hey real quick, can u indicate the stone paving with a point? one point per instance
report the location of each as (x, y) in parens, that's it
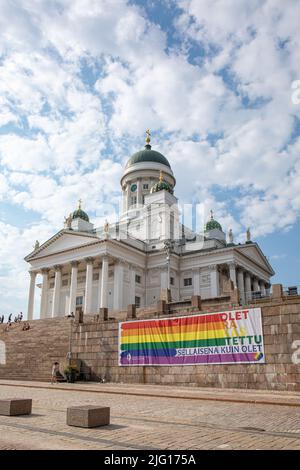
(143, 422)
(196, 393)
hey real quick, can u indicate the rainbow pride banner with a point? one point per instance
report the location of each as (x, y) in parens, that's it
(230, 337)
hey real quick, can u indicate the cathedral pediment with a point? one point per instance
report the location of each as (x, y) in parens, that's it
(253, 252)
(63, 240)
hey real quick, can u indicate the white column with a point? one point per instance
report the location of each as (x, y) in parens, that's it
(196, 281)
(248, 286)
(124, 198)
(241, 286)
(99, 288)
(139, 191)
(56, 291)
(132, 285)
(128, 196)
(31, 295)
(214, 281)
(255, 285)
(262, 288)
(232, 273)
(44, 295)
(104, 283)
(73, 287)
(88, 286)
(118, 285)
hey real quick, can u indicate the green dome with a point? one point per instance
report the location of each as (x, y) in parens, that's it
(80, 214)
(212, 224)
(161, 185)
(147, 155)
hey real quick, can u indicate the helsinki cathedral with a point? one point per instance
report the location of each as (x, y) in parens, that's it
(146, 252)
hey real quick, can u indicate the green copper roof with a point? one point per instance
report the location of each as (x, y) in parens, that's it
(160, 186)
(147, 155)
(80, 214)
(212, 224)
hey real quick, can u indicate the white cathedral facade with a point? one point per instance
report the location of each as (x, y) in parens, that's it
(147, 250)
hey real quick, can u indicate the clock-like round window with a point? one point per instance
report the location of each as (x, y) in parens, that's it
(133, 188)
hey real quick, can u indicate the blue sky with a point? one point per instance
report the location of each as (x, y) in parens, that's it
(214, 80)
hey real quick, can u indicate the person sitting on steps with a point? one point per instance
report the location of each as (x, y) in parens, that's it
(55, 369)
(56, 375)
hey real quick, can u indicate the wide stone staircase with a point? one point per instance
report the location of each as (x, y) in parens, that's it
(29, 355)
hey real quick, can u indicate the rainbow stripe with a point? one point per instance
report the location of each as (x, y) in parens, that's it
(198, 339)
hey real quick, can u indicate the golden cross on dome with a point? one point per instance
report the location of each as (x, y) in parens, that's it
(79, 204)
(211, 214)
(148, 138)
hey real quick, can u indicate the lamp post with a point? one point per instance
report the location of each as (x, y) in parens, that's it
(168, 245)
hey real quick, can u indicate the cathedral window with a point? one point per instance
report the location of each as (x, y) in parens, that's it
(137, 301)
(187, 281)
(133, 200)
(137, 279)
(172, 281)
(79, 301)
(145, 186)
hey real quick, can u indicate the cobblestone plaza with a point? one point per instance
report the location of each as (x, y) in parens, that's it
(186, 420)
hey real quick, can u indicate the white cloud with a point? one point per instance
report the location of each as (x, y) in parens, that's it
(17, 152)
(15, 243)
(80, 81)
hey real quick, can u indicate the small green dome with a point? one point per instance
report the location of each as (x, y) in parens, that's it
(147, 155)
(80, 214)
(161, 185)
(212, 224)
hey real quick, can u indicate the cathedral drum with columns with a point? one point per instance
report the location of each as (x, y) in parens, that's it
(147, 250)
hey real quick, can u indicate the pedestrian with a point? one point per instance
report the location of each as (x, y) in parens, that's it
(9, 318)
(55, 372)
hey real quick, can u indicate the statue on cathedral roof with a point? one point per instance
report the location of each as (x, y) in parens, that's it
(68, 221)
(106, 228)
(230, 236)
(36, 245)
